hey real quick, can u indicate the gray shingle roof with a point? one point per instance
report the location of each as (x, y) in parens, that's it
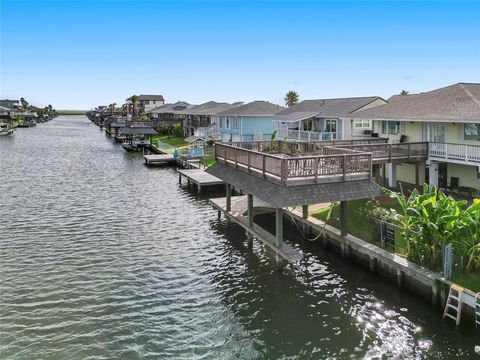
(254, 108)
(324, 108)
(285, 196)
(171, 108)
(208, 108)
(151, 97)
(458, 102)
(137, 131)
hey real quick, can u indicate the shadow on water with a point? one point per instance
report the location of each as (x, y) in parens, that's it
(106, 258)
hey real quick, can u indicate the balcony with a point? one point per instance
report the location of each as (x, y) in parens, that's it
(300, 135)
(455, 153)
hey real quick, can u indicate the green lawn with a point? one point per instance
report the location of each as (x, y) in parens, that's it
(368, 230)
(175, 141)
(357, 224)
(71, 112)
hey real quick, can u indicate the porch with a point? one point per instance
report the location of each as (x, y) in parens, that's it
(455, 153)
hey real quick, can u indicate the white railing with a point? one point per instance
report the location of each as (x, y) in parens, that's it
(300, 135)
(206, 131)
(455, 152)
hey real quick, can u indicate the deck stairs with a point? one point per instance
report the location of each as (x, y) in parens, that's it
(453, 307)
(477, 311)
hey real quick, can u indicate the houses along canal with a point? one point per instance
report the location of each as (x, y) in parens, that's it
(102, 257)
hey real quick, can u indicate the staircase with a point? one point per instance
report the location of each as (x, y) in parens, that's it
(477, 311)
(453, 308)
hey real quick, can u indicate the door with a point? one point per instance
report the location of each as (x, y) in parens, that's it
(439, 131)
(331, 127)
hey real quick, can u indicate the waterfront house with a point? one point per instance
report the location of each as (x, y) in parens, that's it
(200, 120)
(448, 119)
(248, 122)
(326, 119)
(167, 115)
(149, 102)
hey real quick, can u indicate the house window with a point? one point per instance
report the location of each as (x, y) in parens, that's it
(471, 132)
(391, 127)
(235, 123)
(362, 123)
(227, 122)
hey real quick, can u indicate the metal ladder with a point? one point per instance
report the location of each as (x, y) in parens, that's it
(454, 302)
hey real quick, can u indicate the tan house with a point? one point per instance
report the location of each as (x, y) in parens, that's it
(448, 119)
(149, 102)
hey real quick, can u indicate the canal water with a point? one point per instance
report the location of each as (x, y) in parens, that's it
(104, 258)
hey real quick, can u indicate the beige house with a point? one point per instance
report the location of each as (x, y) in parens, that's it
(149, 102)
(448, 119)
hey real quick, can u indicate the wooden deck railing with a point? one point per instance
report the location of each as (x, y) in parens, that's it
(393, 151)
(335, 164)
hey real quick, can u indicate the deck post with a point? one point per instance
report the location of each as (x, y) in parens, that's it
(392, 175)
(305, 217)
(343, 218)
(179, 178)
(229, 197)
(250, 210)
(417, 174)
(278, 231)
(384, 169)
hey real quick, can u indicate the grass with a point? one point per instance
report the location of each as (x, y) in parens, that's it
(175, 141)
(368, 230)
(470, 281)
(357, 224)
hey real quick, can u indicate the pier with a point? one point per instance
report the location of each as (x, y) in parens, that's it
(199, 177)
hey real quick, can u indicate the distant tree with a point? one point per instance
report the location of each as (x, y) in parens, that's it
(291, 98)
(112, 107)
(24, 103)
(134, 100)
(404, 92)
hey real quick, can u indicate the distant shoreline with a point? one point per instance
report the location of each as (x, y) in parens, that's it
(71, 112)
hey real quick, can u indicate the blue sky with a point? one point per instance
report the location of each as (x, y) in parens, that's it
(83, 54)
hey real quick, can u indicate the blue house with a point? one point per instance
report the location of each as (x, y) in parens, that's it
(249, 122)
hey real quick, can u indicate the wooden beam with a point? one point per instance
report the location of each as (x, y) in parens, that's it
(250, 209)
(278, 227)
(343, 218)
(228, 206)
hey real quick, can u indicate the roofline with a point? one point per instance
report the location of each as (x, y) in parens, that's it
(378, 97)
(414, 119)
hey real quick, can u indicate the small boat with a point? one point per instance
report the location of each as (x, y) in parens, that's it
(5, 130)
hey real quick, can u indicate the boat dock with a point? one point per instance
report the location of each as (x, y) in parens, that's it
(159, 159)
(239, 214)
(199, 177)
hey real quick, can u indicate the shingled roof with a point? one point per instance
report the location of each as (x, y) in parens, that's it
(254, 108)
(458, 102)
(341, 107)
(175, 108)
(285, 196)
(208, 108)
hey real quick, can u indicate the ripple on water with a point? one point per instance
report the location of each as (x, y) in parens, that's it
(102, 258)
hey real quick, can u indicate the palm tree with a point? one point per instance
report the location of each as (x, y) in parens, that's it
(404, 92)
(24, 103)
(291, 98)
(134, 100)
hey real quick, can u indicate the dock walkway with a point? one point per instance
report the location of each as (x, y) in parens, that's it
(199, 177)
(158, 159)
(237, 214)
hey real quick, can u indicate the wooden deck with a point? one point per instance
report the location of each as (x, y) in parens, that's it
(159, 159)
(238, 216)
(199, 177)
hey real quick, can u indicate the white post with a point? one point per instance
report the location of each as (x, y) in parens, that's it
(433, 174)
(392, 175)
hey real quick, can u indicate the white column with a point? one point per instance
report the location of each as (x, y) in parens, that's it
(392, 175)
(433, 174)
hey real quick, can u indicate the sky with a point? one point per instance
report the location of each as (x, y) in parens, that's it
(81, 54)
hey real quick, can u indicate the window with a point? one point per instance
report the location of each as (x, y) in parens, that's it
(391, 127)
(235, 123)
(227, 122)
(361, 123)
(471, 132)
